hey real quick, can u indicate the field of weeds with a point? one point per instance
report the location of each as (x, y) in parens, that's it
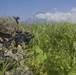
(52, 51)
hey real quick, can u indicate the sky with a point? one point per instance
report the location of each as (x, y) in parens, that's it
(49, 9)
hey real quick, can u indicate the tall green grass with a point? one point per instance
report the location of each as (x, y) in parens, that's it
(52, 51)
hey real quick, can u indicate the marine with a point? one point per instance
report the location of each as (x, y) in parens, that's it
(11, 57)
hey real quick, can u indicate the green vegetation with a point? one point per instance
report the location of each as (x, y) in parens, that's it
(53, 49)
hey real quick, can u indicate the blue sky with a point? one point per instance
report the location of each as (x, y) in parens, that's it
(26, 8)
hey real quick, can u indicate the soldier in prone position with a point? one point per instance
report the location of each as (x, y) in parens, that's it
(7, 27)
(14, 56)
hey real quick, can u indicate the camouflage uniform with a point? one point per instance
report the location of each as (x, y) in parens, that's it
(17, 61)
(1, 56)
(12, 56)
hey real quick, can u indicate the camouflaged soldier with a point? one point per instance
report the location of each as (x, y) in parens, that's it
(14, 55)
(7, 27)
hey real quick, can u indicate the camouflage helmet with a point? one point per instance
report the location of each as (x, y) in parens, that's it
(8, 24)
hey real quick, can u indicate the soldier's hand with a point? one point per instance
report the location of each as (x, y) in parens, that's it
(1, 40)
(6, 39)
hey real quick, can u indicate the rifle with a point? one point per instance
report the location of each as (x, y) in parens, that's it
(19, 38)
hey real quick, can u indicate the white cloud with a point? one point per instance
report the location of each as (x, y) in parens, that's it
(58, 16)
(73, 9)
